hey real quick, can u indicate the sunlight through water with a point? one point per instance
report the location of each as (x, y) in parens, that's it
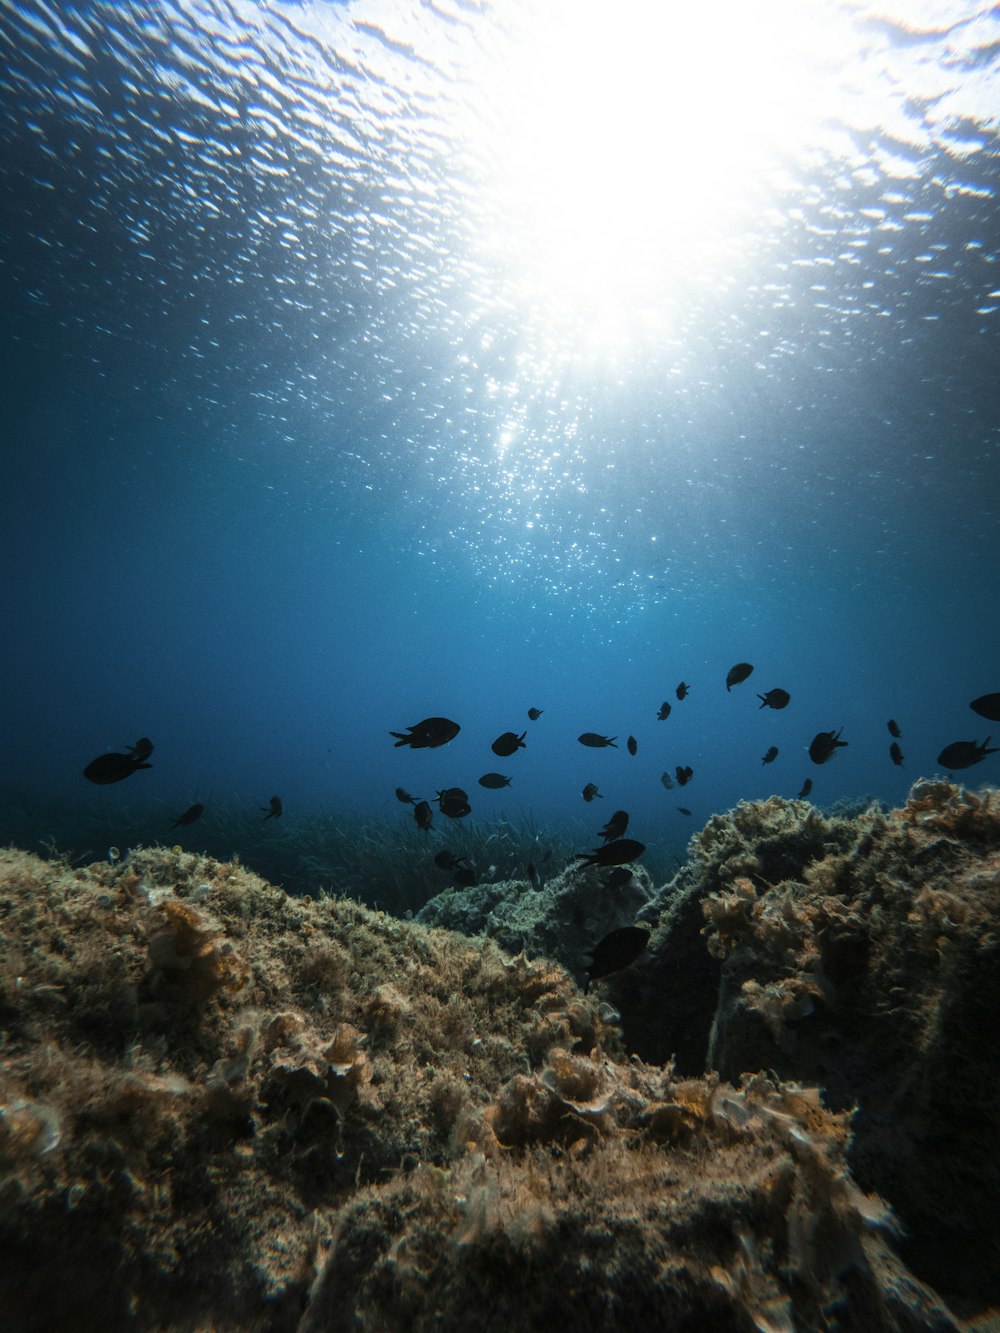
(442, 252)
(637, 161)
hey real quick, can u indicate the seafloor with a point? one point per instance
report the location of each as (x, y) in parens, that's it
(225, 1108)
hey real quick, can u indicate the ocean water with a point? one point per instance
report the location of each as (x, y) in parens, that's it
(374, 361)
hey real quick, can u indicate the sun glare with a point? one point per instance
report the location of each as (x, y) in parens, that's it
(635, 150)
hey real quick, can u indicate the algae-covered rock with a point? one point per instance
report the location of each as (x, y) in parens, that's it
(562, 920)
(860, 955)
(198, 1070)
(222, 1107)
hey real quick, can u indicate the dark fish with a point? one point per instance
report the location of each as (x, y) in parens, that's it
(963, 754)
(402, 795)
(494, 781)
(774, 699)
(190, 815)
(683, 809)
(664, 712)
(455, 809)
(618, 878)
(141, 750)
(987, 705)
(508, 744)
(592, 739)
(590, 791)
(683, 775)
(452, 794)
(535, 713)
(534, 878)
(894, 730)
(465, 877)
(454, 803)
(771, 755)
(823, 744)
(445, 860)
(426, 735)
(666, 779)
(423, 814)
(681, 690)
(114, 767)
(615, 826)
(615, 951)
(807, 787)
(274, 809)
(632, 745)
(738, 674)
(617, 853)
(896, 754)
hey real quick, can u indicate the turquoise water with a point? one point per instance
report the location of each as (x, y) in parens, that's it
(365, 363)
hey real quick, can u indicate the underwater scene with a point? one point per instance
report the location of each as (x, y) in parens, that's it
(499, 816)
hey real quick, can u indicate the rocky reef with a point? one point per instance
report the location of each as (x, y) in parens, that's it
(224, 1107)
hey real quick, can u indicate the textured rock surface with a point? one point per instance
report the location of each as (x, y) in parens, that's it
(224, 1107)
(563, 920)
(860, 955)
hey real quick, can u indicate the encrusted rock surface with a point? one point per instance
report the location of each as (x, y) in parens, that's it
(224, 1107)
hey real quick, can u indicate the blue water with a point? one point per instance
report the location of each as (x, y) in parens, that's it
(293, 458)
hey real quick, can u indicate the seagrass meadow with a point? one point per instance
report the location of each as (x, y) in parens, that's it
(227, 1106)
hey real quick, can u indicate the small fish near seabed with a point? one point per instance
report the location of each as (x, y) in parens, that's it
(682, 690)
(666, 779)
(190, 815)
(275, 809)
(616, 950)
(807, 787)
(770, 755)
(738, 674)
(617, 853)
(454, 802)
(428, 734)
(963, 754)
(533, 877)
(615, 827)
(595, 741)
(894, 730)
(988, 706)
(684, 810)
(590, 791)
(664, 712)
(494, 781)
(424, 815)
(632, 745)
(445, 860)
(402, 795)
(618, 878)
(535, 713)
(115, 767)
(896, 754)
(774, 699)
(509, 743)
(824, 744)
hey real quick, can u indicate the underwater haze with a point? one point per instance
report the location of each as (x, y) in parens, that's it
(372, 362)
